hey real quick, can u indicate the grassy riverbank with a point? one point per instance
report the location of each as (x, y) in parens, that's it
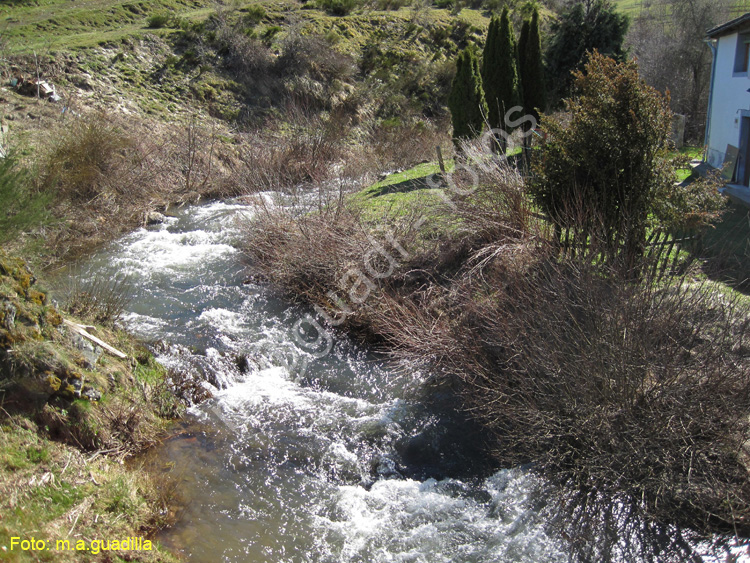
(71, 414)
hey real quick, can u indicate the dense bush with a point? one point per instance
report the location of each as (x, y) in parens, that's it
(337, 7)
(158, 20)
(311, 55)
(627, 396)
(604, 172)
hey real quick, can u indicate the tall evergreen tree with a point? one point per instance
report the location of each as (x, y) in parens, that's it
(532, 66)
(500, 77)
(586, 26)
(466, 100)
(523, 40)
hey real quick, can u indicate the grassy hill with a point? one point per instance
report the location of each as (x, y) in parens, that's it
(636, 7)
(53, 25)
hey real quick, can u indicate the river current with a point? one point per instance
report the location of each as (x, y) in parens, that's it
(339, 457)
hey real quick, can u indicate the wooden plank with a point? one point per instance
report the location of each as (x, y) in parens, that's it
(82, 331)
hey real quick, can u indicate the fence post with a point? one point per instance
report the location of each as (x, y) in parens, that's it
(440, 159)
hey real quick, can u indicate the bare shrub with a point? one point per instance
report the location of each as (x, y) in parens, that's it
(489, 195)
(303, 153)
(99, 300)
(313, 74)
(304, 253)
(319, 250)
(311, 55)
(246, 57)
(85, 159)
(402, 145)
(193, 152)
(631, 399)
(107, 173)
(123, 427)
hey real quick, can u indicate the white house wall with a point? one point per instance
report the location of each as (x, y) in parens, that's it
(730, 97)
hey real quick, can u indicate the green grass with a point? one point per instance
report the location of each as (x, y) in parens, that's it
(418, 171)
(150, 372)
(47, 26)
(692, 153)
(405, 198)
(48, 481)
(634, 7)
(21, 207)
(398, 205)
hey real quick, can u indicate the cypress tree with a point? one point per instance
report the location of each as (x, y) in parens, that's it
(500, 69)
(583, 27)
(466, 100)
(523, 40)
(532, 67)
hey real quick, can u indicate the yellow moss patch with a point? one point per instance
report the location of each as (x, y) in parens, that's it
(52, 317)
(53, 382)
(37, 297)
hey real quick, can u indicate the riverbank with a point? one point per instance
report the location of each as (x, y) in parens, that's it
(72, 415)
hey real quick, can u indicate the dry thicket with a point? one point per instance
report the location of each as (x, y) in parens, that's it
(309, 149)
(632, 398)
(107, 173)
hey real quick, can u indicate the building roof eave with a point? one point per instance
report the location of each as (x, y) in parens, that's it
(728, 27)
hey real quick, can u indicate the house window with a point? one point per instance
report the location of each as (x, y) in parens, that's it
(742, 58)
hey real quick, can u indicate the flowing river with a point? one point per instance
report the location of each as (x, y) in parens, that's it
(341, 458)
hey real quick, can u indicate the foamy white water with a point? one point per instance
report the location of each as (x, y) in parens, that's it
(298, 458)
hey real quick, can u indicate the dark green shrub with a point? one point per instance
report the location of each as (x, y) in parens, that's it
(583, 27)
(466, 100)
(604, 171)
(500, 76)
(532, 67)
(158, 20)
(337, 7)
